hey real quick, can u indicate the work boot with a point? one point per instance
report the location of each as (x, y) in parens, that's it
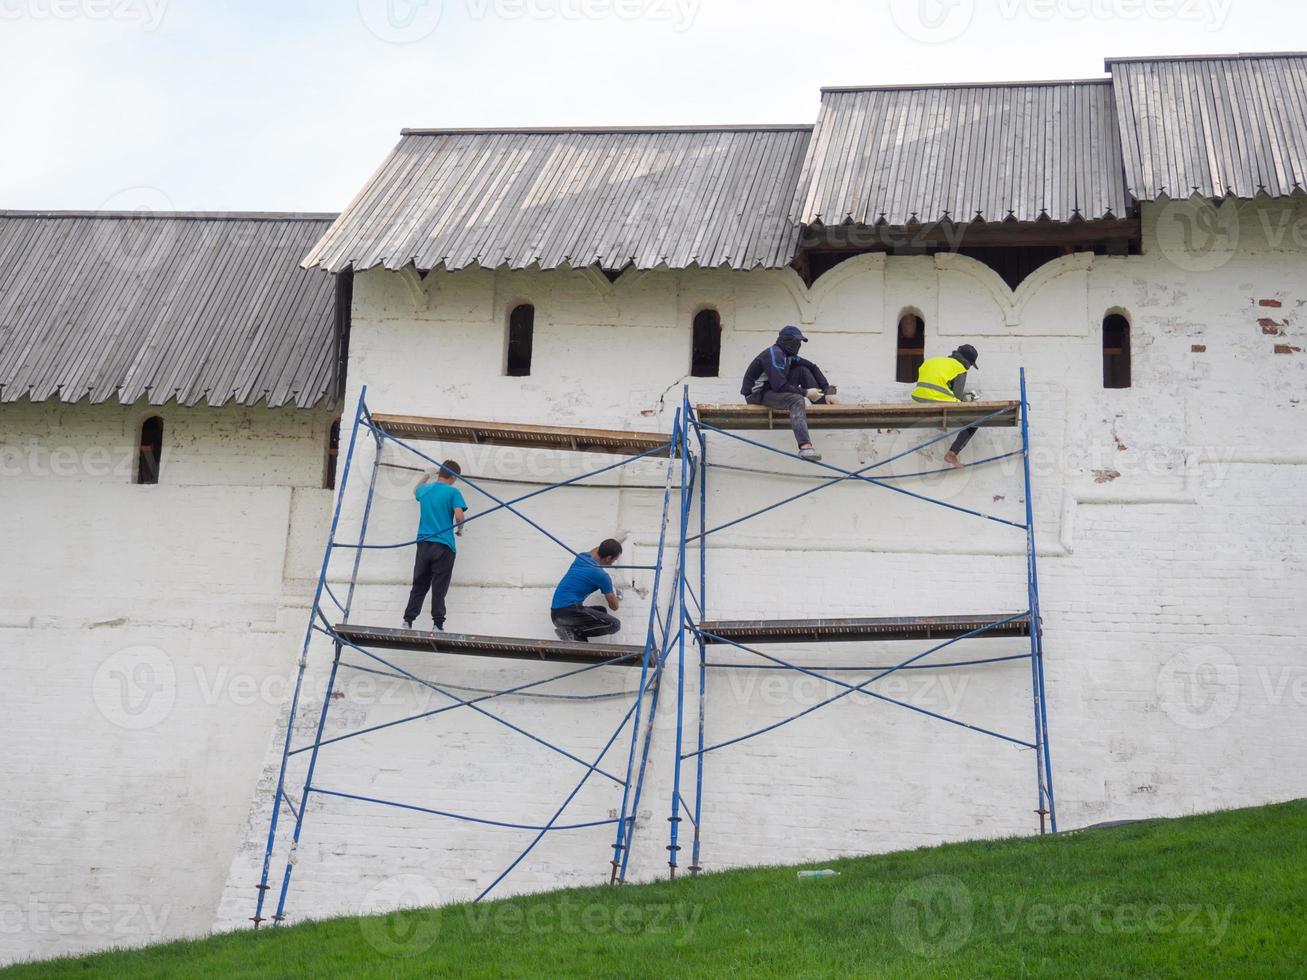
(408, 624)
(564, 633)
(810, 454)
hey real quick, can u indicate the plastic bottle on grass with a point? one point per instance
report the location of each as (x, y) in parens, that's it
(823, 873)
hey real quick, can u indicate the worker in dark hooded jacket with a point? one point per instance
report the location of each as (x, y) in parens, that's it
(780, 378)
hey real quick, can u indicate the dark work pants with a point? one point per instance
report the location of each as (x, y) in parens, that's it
(795, 404)
(586, 621)
(963, 437)
(432, 569)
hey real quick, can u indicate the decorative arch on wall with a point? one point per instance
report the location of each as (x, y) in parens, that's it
(415, 286)
(1012, 303)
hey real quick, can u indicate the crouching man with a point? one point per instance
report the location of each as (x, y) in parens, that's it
(573, 620)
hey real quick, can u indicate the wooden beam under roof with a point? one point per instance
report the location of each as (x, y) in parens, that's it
(619, 442)
(908, 415)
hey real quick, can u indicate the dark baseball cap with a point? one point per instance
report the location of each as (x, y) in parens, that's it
(792, 331)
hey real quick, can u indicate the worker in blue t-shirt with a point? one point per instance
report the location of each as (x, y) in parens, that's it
(573, 620)
(442, 510)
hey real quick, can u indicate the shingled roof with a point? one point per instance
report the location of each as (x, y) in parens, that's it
(708, 197)
(184, 307)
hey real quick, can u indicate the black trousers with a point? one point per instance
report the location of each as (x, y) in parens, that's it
(432, 569)
(963, 437)
(586, 621)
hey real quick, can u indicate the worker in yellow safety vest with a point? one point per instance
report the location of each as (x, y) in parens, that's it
(944, 379)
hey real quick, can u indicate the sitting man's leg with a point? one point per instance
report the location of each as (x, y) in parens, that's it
(802, 376)
(796, 405)
(584, 622)
(964, 437)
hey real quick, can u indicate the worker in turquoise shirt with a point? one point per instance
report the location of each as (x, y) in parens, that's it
(442, 510)
(573, 619)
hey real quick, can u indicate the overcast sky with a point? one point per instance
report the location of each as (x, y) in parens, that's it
(289, 105)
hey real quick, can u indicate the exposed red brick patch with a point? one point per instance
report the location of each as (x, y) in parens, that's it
(1199, 348)
(1272, 303)
(1286, 349)
(1105, 476)
(1271, 327)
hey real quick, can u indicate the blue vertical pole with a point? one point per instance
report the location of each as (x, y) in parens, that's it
(1043, 761)
(622, 842)
(363, 530)
(695, 867)
(303, 662)
(675, 819)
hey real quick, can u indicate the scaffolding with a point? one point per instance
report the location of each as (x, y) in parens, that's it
(670, 622)
(329, 617)
(725, 421)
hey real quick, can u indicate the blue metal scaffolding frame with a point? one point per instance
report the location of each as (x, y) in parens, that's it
(658, 639)
(690, 619)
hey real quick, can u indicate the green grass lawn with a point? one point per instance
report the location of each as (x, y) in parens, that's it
(1221, 894)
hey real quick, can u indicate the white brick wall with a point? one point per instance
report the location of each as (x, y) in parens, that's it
(1157, 582)
(1176, 679)
(143, 630)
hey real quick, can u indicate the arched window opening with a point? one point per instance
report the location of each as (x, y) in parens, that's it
(911, 349)
(1116, 351)
(149, 451)
(706, 353)
(521, 332)
(333, 451)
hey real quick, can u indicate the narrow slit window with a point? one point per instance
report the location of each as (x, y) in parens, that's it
(911, 350)
(1116, 351)
(149, 451)
(706, 353)
(521, 331)
(333, 452)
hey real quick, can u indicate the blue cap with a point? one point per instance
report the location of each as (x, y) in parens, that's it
(791, 331)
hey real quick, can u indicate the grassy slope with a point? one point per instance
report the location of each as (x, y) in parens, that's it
(1220, 894)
